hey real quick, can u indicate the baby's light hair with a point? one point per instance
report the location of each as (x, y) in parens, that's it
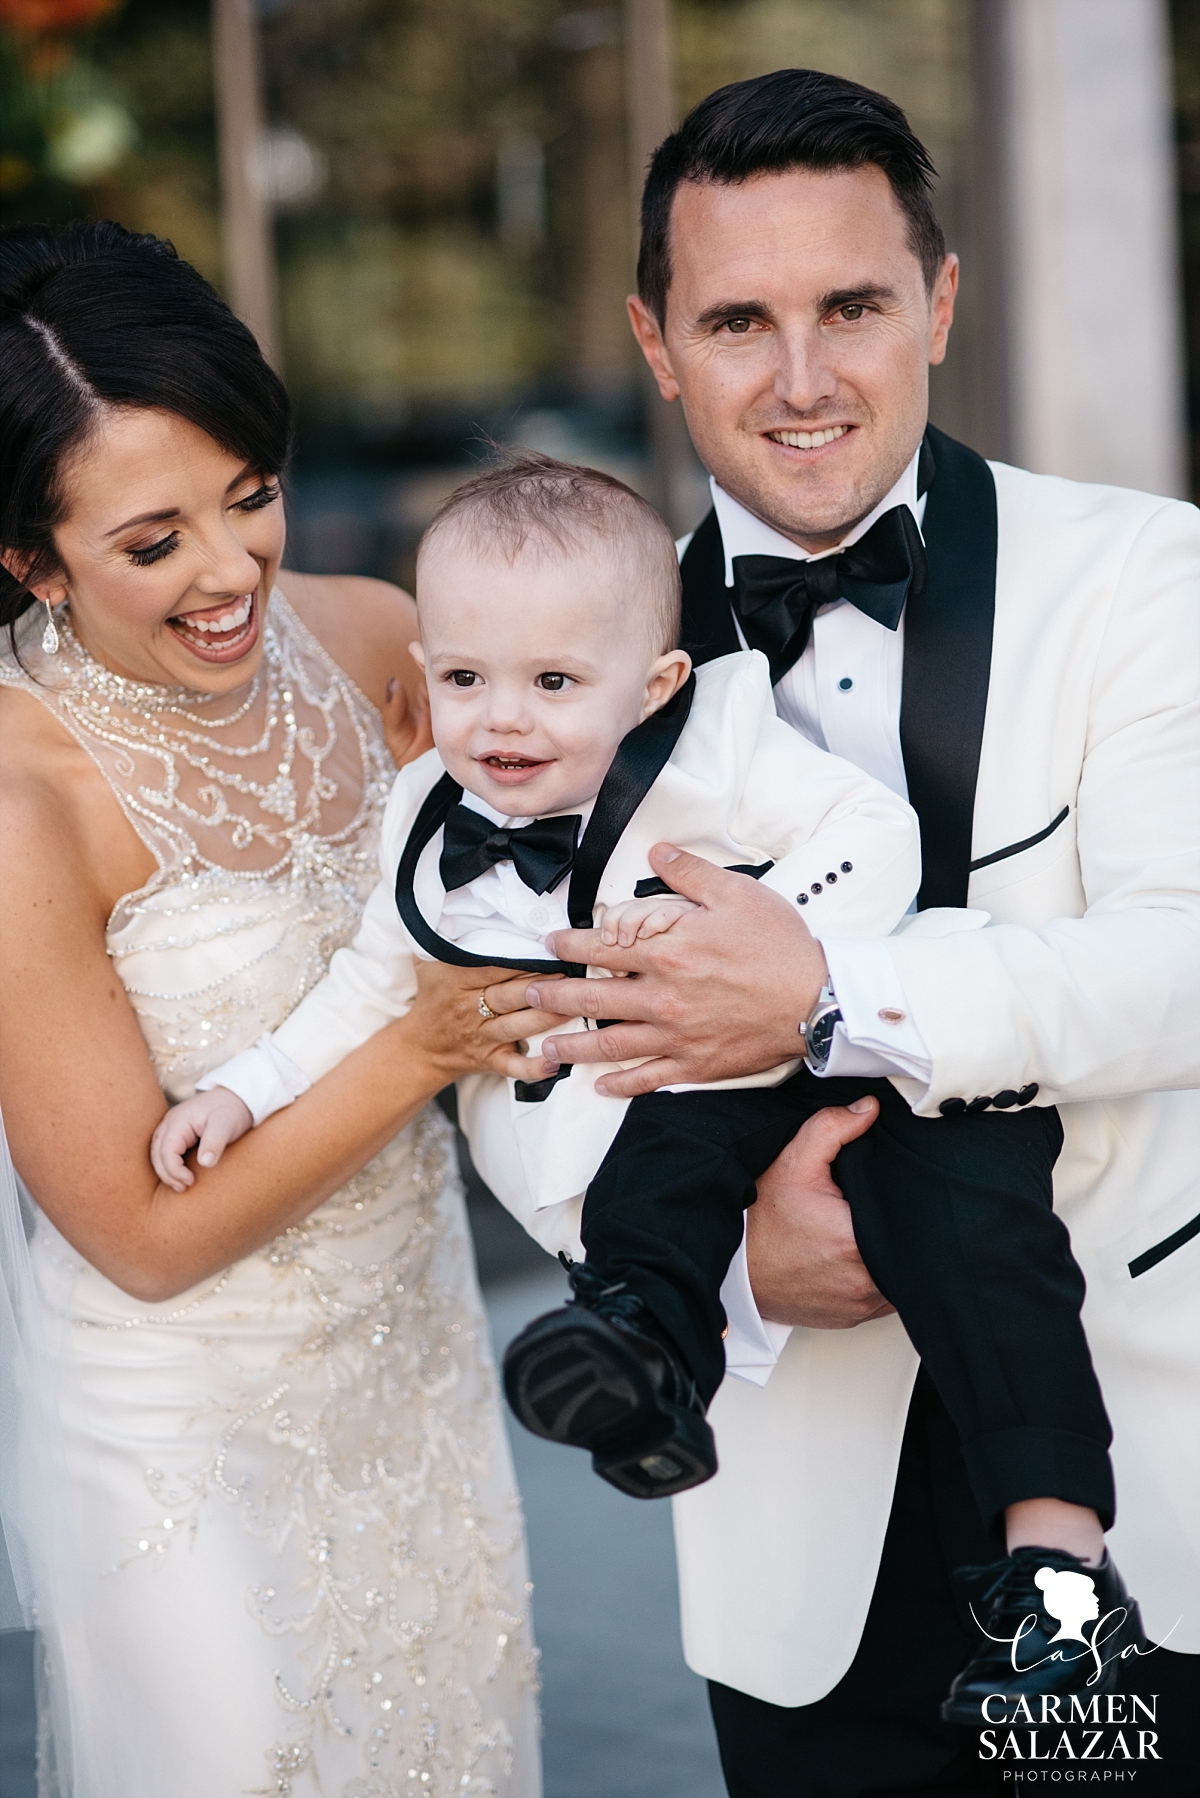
(530, 501)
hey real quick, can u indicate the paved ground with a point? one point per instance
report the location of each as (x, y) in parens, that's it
(16, 1717)
(624, 1718)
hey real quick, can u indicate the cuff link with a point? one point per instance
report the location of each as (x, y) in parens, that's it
(889, 1015)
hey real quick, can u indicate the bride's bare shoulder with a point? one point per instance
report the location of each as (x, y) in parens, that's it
(366, 626)
(57, 812)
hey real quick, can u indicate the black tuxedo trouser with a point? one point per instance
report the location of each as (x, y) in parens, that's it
(879, 1730)
(954, 1221)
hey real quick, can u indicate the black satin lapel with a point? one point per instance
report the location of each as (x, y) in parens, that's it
(429, 820)
(947, 665)
(708, 627)
(639, 761)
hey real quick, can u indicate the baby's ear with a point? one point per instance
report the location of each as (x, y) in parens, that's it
(417, 653)
(667, 674)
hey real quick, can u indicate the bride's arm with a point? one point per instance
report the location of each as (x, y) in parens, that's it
(81, 1101)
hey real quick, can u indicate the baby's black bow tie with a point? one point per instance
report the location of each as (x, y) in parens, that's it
(775, 598)
(542, 852)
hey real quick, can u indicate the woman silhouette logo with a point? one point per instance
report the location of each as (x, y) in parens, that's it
(1071, 1598)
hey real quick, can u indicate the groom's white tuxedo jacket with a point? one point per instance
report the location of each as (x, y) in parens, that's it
(1083, 833)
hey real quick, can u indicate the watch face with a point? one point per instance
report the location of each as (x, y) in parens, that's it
(820, 1035)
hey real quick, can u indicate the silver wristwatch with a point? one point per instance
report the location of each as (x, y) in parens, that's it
(816, 1032)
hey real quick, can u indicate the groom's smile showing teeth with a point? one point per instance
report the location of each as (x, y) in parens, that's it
(809, 439)
(219, 633)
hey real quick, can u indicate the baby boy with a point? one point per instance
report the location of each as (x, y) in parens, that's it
(571, 735)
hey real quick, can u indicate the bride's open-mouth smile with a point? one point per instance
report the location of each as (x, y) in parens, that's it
(220, 633)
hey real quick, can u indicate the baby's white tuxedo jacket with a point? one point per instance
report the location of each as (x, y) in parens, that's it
(740, 788)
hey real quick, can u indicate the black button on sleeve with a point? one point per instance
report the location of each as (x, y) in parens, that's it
(1027, 1093)
(952, 1108)
(1006, 1100)
(978, 1105)
(816, 886)
(801, 898)
(847, 867)
(831, 880)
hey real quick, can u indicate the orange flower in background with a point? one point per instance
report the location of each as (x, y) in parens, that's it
(35, 16)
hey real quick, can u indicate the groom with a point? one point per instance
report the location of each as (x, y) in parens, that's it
(1018, 654)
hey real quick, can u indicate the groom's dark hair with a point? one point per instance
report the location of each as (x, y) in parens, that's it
(792, 119)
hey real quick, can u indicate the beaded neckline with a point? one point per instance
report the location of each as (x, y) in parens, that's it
(261, 808)
(147, 698)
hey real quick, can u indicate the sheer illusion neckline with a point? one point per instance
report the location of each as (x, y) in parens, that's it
(276, 779)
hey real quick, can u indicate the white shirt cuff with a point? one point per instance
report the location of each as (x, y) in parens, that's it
(877, 1036)
(264, 1078)
(752, 1345)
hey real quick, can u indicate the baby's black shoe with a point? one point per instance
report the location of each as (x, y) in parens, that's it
(1055, 1627)
(601, 1374)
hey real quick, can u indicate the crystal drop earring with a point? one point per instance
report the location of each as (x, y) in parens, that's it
(50, 634)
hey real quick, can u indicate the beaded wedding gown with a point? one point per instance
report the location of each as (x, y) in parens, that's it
(296, 1550)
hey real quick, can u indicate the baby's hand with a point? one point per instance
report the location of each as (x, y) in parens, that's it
(623, 924)
(214, 1120)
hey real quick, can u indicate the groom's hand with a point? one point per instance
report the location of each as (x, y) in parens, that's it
(804, 1263)
(720, 994)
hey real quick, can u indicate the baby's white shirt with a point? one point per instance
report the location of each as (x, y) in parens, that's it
(496, 914)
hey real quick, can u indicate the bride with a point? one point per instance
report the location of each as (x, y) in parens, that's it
(262, 1507)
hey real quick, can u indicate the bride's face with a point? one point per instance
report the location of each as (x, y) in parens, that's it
(168, 552)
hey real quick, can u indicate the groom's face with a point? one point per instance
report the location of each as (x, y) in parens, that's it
(799, 331)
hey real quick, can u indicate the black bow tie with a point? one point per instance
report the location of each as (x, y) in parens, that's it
(775, 597)
(541, 852)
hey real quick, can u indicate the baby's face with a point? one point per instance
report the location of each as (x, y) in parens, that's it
(536, 670)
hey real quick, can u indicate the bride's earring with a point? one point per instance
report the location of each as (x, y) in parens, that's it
(50, 634)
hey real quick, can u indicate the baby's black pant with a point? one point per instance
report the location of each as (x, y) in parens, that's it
(954, 1221)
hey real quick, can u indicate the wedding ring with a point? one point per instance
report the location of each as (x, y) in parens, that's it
(485, 1010)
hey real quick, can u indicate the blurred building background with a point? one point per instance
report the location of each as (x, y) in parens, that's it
(444, 192)
(426, 210)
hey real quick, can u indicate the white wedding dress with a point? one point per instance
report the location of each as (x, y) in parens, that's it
(290, 1560)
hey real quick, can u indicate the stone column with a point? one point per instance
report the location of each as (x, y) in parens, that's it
(677, 484)
(1088, 236)
(247, 236)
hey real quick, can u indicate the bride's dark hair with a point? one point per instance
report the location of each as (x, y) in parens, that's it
(92, 316)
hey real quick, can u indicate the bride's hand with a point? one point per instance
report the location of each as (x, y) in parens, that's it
(406, 723)
(458, 1037)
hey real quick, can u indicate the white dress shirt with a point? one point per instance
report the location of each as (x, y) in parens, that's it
(496, 914)
(843, 694)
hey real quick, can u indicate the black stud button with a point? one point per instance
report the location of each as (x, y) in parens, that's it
(1006, 1100)
(801, 898)
(951, 1108)
(1027, 1093)
(978, 1105)
(831, 880)
(845, 684)
(847, 867)
(816, 886)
